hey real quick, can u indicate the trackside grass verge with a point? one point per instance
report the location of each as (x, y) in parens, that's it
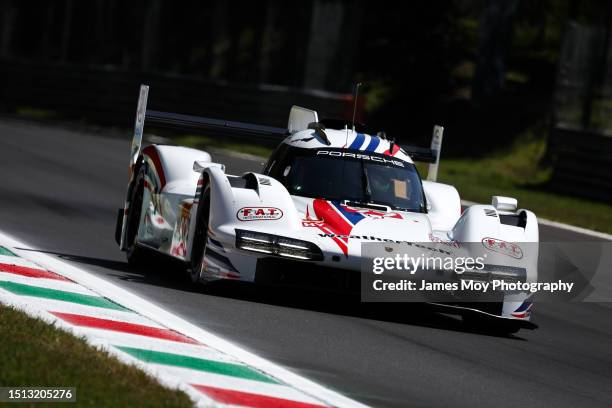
(514, 172)
(479, 187)
(34, 353)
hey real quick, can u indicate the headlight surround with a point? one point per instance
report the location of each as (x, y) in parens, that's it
(276, 245)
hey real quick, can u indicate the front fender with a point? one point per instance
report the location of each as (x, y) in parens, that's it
(502, 244)
(480, 221)
(256, 192)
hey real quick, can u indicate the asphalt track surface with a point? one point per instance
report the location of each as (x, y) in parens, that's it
(59, 191)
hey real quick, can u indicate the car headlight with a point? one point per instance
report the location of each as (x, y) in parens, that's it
(277, 245)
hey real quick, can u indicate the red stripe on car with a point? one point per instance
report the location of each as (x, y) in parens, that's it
(393, 152)
(334, 222)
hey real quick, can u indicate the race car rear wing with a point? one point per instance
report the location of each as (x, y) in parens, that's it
(201, 124)
(299, 119)
(195, 124)
(420, 154)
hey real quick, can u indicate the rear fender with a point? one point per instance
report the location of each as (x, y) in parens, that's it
(169, 185)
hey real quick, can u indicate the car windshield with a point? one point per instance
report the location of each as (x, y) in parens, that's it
(338, 174)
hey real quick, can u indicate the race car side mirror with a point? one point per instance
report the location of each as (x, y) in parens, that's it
(319, 129)
(504, 203)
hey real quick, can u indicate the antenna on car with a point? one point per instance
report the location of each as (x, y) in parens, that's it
(357, 85)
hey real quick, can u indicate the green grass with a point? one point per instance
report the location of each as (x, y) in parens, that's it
(516, 172)
(478, 181)
(34, 353)
(512, 172)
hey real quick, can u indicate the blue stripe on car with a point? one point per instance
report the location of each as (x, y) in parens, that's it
(358, 141)
(374, 142)
(524, 306)
(352, 216)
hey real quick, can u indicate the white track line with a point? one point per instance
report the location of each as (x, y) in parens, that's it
(90, 311)
(17, 261)
(165, 318)
(560, 225)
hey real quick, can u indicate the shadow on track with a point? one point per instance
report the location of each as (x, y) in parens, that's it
(169, 274)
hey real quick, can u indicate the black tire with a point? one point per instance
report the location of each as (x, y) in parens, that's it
(136, 256)
(200, 236)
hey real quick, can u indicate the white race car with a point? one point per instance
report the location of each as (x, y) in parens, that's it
(322, 193)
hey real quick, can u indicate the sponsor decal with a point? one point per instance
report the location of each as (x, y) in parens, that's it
(503, 247)
(360, 156)
(378, 239)
(259, 214)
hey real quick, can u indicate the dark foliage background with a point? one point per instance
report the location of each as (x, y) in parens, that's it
(486, 69)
